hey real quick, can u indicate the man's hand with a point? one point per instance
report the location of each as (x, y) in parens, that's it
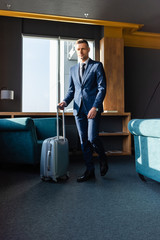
(92, 113)
(62, 105)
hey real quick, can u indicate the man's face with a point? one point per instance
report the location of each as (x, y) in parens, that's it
(82, 51)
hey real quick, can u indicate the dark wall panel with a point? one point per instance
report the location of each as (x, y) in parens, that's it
(11, 61)
(142, 82)
(53, 28)
(69, 30)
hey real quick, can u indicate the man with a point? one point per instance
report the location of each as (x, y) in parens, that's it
(88, 90)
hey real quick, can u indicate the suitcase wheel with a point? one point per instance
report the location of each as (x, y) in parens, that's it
(67, 175)
(45, 178)
(63, 178)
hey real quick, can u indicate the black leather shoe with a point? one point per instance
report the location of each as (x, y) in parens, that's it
(86, 176)
(103, 167)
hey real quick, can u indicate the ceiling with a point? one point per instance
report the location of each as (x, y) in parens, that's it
(145, 12)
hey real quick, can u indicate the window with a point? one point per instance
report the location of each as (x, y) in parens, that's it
(46, 64)
(40, 74)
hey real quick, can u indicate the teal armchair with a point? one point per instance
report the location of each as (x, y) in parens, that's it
(21, 138)
(146, 134)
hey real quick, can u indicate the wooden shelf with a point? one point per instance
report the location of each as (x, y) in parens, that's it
(117, 153)
(105, 134)
(45, 114)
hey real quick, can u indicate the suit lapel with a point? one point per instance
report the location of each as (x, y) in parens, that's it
(87, 70)
(77, 73)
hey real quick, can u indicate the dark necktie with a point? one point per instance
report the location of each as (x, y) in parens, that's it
(82, 69)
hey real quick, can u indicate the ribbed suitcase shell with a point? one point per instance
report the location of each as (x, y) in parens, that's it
(55, 156)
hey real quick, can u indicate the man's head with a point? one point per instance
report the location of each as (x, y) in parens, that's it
(82, 48)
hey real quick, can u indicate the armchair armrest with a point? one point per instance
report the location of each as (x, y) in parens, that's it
(16, 124)
(145, 127)
(18, 141)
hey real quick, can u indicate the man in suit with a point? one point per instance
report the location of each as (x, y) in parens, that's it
(87, 86)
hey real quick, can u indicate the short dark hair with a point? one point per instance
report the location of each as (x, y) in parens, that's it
(82, 41)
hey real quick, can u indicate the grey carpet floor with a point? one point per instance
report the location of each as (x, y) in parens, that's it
(118, 206)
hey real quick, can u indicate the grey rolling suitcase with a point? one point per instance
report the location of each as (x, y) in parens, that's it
(55, 155)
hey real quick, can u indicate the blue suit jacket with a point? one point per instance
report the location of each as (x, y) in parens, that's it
(91, 91)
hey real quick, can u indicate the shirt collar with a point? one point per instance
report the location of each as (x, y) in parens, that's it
(86, 62)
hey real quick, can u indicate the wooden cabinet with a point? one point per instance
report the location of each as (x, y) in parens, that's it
(114, 133)
(113, 130)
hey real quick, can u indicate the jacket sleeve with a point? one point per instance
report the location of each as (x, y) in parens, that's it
(101, 86)
(70, 94)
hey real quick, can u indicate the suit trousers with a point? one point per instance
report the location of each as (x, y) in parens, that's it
(88, 130)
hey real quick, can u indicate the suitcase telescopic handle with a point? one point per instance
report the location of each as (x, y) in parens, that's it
(63, 123)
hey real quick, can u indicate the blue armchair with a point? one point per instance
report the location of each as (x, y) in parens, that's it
(146, 134)
(21, 138)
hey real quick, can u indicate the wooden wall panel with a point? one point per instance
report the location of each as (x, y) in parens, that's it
(112, 56)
